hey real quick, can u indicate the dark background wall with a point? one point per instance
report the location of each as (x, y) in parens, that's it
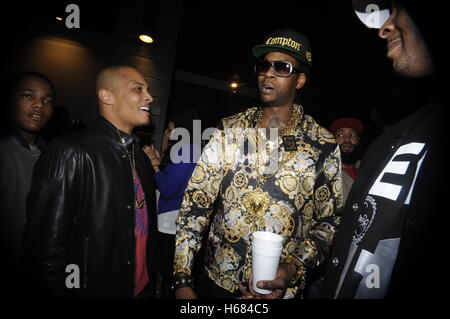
(108, 35)
(199, 48)
(351, 75)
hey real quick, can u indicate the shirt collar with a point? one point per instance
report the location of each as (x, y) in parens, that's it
(118, 135)
(39, 142)
(297, 108)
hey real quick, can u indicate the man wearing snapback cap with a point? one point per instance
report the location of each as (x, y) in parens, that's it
(393, 230)
(290, 186)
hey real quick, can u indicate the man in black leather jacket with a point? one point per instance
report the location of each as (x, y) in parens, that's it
(91, 209)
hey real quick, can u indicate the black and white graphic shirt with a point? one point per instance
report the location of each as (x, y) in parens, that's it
(381, 203)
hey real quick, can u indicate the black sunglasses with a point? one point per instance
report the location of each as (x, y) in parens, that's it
(282, 69)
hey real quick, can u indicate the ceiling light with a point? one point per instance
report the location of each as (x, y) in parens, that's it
(145, 38)
(234, 86)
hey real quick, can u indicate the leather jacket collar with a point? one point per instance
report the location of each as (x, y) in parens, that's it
(121, 137)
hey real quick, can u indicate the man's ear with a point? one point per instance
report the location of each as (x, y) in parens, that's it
(301, 81)
(105, 96)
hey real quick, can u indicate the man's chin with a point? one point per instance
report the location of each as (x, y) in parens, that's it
(348, 151)
(32, 130)
(144, 123)
(270, 103)
(265, 101)
(349, 158)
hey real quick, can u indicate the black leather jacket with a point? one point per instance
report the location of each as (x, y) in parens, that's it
(81, 211)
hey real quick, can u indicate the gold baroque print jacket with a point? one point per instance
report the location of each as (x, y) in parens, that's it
(299, 199)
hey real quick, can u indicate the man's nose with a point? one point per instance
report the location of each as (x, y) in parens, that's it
(38, 104)
(270, 72)
(148, 97)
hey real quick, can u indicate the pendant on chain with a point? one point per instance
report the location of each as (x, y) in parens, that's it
(139, 204)
(256, 203)
(289, 143)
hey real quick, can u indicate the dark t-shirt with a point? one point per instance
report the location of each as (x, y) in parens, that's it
(386, 221)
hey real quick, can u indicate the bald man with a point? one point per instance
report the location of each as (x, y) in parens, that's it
(91, 209)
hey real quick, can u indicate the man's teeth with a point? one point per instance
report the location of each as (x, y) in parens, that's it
(35, 116)
(145, 108)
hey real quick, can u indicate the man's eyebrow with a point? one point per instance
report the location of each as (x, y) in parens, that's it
(137, 82)
(33, 90)
(26, 89)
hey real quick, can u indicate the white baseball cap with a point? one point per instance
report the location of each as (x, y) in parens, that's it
(373, 13)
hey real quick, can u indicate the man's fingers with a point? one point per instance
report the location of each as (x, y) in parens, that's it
(264, 284)
(243, 289)
(245, 293)
(268, 284)
(271, 284)
(250, 286)
(275, 294)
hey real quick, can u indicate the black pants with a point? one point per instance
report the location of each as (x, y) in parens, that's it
(166, 251)
(147, 293)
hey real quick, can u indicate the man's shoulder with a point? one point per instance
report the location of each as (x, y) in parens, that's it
(70, 151)
(6, 140)
(12, 148)
(434, 114)
(317, 133)
(240, 120)
(79, 142)
(8, 150)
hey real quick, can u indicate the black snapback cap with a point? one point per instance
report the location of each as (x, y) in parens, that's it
(287, 41)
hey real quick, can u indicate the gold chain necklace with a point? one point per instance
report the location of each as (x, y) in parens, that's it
(261, 177)
(287, 139)
(137, 204)
(289, 143)
(291, 125)
(257, 201)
